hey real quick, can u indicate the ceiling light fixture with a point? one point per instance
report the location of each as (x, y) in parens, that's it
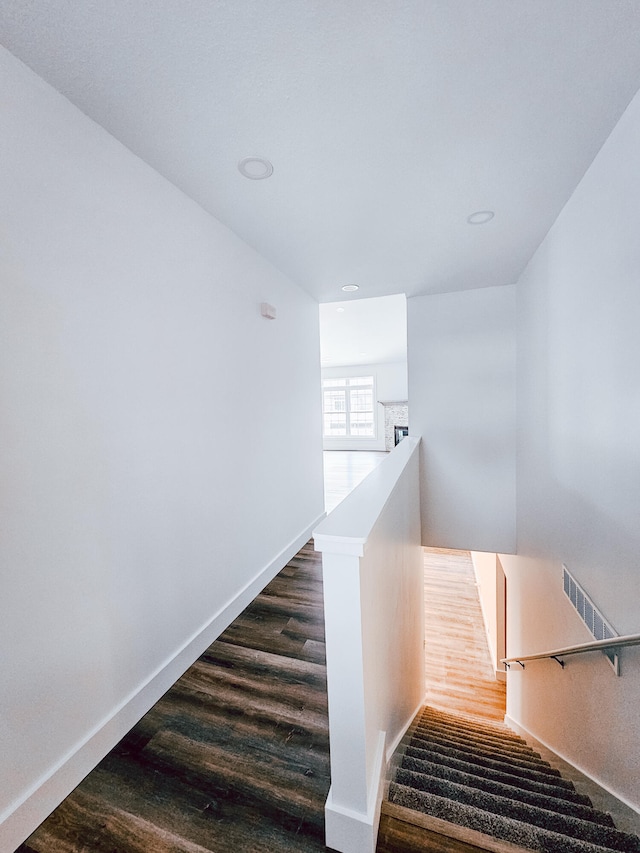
(480, 217)
(350, 288)
(255, 168)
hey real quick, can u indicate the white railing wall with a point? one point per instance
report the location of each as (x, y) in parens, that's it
(374, 619)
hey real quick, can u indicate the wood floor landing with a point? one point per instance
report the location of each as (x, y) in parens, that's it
(459, 674)
(235, 757)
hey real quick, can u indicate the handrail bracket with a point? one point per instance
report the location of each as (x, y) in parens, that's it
(556, 658)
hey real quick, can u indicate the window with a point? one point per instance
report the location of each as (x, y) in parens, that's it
(347, 407)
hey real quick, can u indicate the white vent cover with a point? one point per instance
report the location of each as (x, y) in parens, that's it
(589, 613)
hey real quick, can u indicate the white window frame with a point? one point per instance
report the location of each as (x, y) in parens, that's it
(350, 437)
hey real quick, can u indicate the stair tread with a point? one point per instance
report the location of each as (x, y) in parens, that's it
(524, 783)
(452, 834)
(492, 735)
(485, 760)
(595, 833)
(514, 792)
(486, 728)
(503, 827)
(467, 721)
(481, 744)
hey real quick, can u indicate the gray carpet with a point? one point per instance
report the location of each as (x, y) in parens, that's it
(486, 778)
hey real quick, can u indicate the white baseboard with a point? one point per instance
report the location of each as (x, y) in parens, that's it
(349, 831)
(23, 816)
(393, 746)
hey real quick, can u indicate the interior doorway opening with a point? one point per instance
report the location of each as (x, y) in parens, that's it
(365, 406)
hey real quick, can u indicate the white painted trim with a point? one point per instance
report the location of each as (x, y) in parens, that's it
(396, 743)
(376, 791)
(347, 528)
(350, 442)
(349, 831)
(24, 815)
(356, 442)
(395, 754)
(354, 832)
(518, 728)
(485, 619)
(371, 537)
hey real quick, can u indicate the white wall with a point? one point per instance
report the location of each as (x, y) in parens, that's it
(462, 402)
(131, 516)
(391, 385)
(490, 580)
(579, 467)
(583, 712)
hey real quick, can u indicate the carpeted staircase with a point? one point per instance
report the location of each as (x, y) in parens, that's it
(484, 777)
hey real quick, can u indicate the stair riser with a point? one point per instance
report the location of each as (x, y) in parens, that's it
(488, 768)
(498, 730)
(517, 767)
(483, 744)
(565, 807)
(499, 805)
(507, 829)
(513, 744)
(557, 793)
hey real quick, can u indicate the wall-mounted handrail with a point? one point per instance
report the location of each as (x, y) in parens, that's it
(593, 646)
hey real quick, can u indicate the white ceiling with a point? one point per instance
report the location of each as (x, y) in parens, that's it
(387, 121)
(363, 331)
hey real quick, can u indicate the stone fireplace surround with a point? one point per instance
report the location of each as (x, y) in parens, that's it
(396, 413)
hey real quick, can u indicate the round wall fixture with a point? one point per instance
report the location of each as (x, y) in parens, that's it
(480, 217)
(255, 168)
(350, 288)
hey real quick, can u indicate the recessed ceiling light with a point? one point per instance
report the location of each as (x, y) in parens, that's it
(350, 288)
(255, 168)
(480, 217)
(340, 310)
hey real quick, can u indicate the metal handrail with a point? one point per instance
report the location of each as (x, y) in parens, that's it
(593, 646)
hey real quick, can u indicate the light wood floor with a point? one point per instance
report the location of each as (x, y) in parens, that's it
(459, 674)
(344, 470)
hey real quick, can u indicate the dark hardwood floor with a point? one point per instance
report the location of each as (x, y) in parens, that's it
(235, 757)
